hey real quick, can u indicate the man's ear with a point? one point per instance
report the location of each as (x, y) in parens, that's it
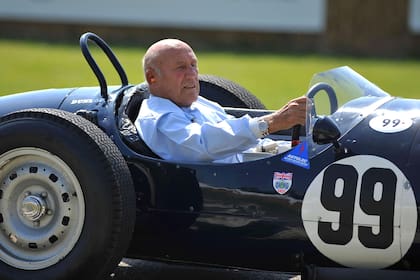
(150, 76)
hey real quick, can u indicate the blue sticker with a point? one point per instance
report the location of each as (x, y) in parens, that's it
(298, 156)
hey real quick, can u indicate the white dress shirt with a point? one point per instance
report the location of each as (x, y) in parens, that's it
(202, 132)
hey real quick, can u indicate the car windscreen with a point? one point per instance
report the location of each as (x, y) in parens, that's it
(356, 98)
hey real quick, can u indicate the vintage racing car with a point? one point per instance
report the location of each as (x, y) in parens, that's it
(79, 189)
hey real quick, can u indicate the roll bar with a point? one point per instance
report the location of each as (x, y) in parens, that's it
(94, 66)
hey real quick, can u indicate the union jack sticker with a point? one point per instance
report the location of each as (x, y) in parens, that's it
(282, 181)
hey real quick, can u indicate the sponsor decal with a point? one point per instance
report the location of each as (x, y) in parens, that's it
(81, 101)
(84, 101)
(282, 181)
(298, 156)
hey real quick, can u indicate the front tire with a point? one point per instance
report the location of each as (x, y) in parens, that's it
(67, 203)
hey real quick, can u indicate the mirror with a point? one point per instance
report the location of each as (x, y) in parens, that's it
(325, 131)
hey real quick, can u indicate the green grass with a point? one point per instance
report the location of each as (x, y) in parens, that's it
(274, 78)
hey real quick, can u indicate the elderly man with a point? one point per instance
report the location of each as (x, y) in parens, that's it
(179, 125)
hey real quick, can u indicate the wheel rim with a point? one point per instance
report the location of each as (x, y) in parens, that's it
(42, 208)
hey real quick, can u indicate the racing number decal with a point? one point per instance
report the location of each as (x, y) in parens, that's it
(382, 206)
(390, 123)
(352, 212)
(343, 204)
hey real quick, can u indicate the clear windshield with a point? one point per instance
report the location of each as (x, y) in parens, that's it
(356, 98)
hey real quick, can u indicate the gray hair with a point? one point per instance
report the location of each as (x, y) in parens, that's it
(148, 62)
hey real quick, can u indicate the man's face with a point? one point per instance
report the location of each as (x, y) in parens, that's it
(177, 77)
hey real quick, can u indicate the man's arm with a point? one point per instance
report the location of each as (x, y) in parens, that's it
(293, 113)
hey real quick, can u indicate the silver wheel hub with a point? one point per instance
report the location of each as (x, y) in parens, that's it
(33, 207)
(42, 208)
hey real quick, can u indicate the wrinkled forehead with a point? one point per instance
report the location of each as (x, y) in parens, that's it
(175, 56)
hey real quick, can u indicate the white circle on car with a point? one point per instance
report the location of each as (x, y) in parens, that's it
(361, 212)
(390, 123)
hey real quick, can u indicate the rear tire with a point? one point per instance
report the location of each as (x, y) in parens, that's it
(67, 203)
(228, 93)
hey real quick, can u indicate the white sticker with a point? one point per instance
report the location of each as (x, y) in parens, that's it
(361, 212)
(282, 182)
(390, 123)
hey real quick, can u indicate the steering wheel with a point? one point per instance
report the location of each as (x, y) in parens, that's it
(332, 97)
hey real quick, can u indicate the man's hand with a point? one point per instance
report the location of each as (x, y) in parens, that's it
(293, 113)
